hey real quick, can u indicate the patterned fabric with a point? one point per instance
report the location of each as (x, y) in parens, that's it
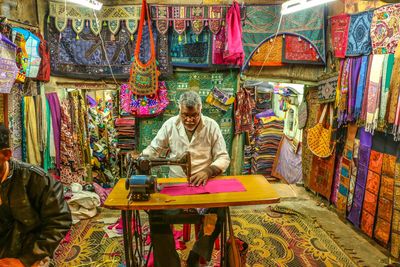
(327, 90)
(202, 82)
(8, 67)
(163, 56)
(321, 175)
(385, 84)
(299, 50)
(190, 49)
(218, 47)
(361, 180)
(14, 117)
(244, 106)
(55, 109)
(339, 30)
(385, 203)
(269, 53)
(78, 16)
(395, 234)
(85, 58)
(22, 57)
(393, 108)
(262, 22)
(44, 69)
(359, 40)
(385, 33)
(371, 192)
(346, 170)
(32, 48)
(287, 164)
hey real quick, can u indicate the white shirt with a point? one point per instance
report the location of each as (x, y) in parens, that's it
(207, 147)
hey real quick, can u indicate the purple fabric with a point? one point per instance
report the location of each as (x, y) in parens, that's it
(212, 187)
(362, 172)
(289, 163)
(353, 83)
(266, 113)
(55, 109)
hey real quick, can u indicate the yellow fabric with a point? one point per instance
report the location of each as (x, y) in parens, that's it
(319, 139)
(32, 146)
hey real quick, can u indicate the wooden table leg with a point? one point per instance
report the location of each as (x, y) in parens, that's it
(126, 238)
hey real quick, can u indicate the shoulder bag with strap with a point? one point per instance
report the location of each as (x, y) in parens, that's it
(144, 76)
(319, 137)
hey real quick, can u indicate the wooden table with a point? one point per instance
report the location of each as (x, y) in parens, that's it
(258, 191)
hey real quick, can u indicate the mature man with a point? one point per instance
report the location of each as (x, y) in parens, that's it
(33, 214)
(202, 137)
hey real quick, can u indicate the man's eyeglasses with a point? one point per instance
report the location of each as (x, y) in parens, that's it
(192, 116)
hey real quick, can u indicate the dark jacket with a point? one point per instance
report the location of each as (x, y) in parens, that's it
(34, 217)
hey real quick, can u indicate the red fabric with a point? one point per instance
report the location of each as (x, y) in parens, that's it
(298, 49)
(44, 69)
(234, 53)
(339, 30)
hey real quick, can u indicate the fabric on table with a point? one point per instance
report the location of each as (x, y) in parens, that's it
(359, 40)
(212, 187)
(339, 30)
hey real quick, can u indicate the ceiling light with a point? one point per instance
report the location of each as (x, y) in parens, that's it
(293, 6)
(93, 4)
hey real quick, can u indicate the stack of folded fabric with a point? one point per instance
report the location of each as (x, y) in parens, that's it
(125, 134)
(269, 131)
(248, 154)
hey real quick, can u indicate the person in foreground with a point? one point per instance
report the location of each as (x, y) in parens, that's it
(34, 217)
(202, 137)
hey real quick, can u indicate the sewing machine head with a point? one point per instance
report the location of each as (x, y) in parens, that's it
(141, 183)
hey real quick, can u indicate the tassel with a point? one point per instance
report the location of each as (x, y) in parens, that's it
(132, 37)
(77, 36)
(180, 38)
(112, 37)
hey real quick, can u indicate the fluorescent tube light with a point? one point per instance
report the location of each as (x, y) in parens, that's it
(93, 4)
(293, 6)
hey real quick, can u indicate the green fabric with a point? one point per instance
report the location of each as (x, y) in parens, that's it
(237, 154)
(201, 82)
(386, 77)
(262, 22)
(47, 159)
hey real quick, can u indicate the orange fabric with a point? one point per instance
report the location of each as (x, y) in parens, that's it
(269, 53)
(10, 262)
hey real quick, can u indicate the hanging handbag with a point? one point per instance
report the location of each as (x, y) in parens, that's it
(236, 248)
(220, 99)
(143, 106)
(327, 89)
(144, 76)
(319, 137)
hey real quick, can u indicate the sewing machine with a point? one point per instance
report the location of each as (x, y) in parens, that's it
(141, 183)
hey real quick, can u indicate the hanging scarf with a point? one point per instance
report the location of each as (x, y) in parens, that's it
(234, 53)
(386, 77)
(353, 84)
(374, 90)
(55, 109)
(339, 30)
(360, 87)
(344, 88)
(365, 97)
(31, 130)
(393, 108)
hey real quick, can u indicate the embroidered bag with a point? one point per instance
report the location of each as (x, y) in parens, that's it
(8, 67)
(220, 99)
(327, 90)
(144, 76)
(319, 137)
(143, 106)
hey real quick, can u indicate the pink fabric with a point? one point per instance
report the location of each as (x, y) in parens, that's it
(212, 187)
(233, 53)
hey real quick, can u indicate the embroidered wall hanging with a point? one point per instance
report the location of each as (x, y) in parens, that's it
(8, 67)
(359, 40)
(79, 52)
(385, 32)
(262, 21)
(190, 49)
(299, 50)
(269, 53)
(327, 90)
(339, 31)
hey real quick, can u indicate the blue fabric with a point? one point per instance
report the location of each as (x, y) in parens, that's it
(359, 41)
(361, 87)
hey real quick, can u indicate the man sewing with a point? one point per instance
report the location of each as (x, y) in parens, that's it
(34, 217)
(202, 137)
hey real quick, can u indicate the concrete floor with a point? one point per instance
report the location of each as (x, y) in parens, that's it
(347, 236)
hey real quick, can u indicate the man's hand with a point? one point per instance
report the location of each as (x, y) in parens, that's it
(199, 178)
(11, 262)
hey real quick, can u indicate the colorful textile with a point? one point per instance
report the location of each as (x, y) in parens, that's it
(31, 130)
(346, 170)
(321, 175)
(79, 52)
(15, 119)
(361, 87)
(353, 85)
(163, 56)
(364, 104)
(287, 163)
(386, 78)
(218, 47)
(393, 108)
(354, 215)
(299, 50)
(44, 69)
(344, 91)
(244, 105)
(22, 57)
(32, 48)
(385, 33)
(269, 53)
(55, 109)
(212, 187)
(233, 53)
(190, 49)
(339, 31)
(327, 89)
(262, 21)
(373, 95)
(395, 234)
(8, 67)
(359, 40)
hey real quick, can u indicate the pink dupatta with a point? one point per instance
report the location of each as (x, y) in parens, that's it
(233, 53)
